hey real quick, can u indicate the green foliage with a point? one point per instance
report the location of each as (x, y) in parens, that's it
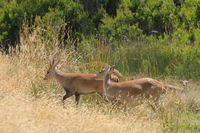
(150, 57)
(122, 26)
(155, 15)
(66, 11)
(119, 20)
(10, 23)
(155, 37)
(59, 13)
(187, 24)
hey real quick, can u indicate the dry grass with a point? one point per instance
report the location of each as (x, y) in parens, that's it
(28, 104)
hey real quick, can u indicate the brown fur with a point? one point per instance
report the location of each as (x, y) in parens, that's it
(129, 91)
(76, 84)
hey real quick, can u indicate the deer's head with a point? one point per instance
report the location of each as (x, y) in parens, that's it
(51, 71)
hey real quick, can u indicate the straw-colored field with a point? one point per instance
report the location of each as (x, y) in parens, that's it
(30, 105)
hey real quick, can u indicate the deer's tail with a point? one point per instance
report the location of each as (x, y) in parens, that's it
(172, 87)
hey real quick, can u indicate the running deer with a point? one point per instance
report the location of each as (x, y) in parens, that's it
(77, 84)
(129, 91)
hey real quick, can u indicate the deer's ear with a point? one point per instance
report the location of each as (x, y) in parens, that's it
(55, 63)
(117, 73)
(112, 69)
(107, 67)
(52, 61)
(113, 66)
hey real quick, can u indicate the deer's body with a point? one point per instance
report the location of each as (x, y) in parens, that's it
(129, 91)
(77, 84)
(140, 88)
(80, 83)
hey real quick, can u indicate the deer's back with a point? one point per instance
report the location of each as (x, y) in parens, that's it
(83, 83)
(144, 87)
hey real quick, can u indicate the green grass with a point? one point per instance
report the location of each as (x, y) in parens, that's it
(152, 58)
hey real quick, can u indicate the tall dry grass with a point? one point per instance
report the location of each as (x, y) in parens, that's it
(29, 104)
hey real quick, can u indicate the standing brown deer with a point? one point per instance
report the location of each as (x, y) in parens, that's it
(129, 91)
(77, 84)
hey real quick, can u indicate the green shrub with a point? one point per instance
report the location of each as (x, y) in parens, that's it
(122, 26)
(11, 17)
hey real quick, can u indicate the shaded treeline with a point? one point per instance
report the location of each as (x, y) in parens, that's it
(156, 38)
(117, 19)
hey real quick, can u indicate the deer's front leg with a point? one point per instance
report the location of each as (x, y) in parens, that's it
(68, 94)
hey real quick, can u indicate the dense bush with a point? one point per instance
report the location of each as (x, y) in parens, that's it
(188, 23)
(127, 19)
(156, 37)
(11, 18)
(123, 25)
(14, 13)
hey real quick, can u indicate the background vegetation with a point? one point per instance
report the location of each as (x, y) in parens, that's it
(158, 38)
(143, 38)
(30, 104)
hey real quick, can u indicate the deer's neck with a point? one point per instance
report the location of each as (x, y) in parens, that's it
(106, 81)
(59, 76)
